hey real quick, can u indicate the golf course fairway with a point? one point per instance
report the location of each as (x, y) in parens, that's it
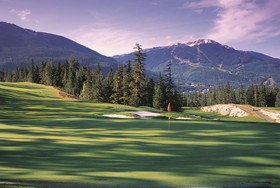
(51, 142)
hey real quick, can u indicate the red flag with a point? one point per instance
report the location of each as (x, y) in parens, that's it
(169, 107)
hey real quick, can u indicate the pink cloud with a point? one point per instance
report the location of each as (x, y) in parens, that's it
(241, 20)
(21, 14)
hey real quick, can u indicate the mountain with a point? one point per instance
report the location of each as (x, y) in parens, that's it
(19, 46)
(205, 63)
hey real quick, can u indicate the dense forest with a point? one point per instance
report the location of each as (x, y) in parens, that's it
(256, 95)
(127, 85)
(130, 86)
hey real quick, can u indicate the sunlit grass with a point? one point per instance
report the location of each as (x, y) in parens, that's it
(46, 139)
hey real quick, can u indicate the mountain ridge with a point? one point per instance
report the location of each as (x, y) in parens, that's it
(206, 62)
(18, 46)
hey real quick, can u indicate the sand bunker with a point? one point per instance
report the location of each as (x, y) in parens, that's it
(140, 114)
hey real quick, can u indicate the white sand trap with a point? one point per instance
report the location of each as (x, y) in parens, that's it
(141, 114)
(184, 118)
(146, 114)
(117, 116)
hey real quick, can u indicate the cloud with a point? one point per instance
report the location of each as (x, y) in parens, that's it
(241, 20)
(200, 4)
(21, 14)
(106, 39)
(112, 39)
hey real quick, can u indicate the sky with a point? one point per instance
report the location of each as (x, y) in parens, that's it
(113, 27)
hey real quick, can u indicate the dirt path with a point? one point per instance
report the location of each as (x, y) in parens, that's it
(256, 111)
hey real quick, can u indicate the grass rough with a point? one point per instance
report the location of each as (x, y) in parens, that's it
(49, 142)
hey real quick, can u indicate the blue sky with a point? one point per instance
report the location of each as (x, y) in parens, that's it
(114, 26)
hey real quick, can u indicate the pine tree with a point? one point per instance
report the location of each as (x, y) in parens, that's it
(159, 99)
(277, 101)
(138, 74)
(117, 86)
(169, 84)
(2, 76)
(87, 90)
(241, 96)
(98, 90)
(72, 78)
(127, 84)
(42, 71)
(49, 74)
(37, 74)
(16, 75)
(31, 75)
(250, 96)
(261, 97)
(108, 86)
(65, 69)
(149, 92)
(271, 97)
(177, 99)
(211, 98)
(81, 78)
(58, 76)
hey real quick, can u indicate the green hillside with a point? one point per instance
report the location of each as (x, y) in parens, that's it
(46, 141)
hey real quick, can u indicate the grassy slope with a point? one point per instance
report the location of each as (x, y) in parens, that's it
(46, 139)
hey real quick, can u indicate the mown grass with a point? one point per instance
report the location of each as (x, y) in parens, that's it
(58, 143)
(277, 109)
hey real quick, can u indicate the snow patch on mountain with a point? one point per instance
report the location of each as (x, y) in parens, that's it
(201, 41)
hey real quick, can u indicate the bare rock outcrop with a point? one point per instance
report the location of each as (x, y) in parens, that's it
(225, 109)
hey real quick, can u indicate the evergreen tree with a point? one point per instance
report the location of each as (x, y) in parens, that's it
(81, 78)
(241, 95)
(271, 97)
(229, 95)
(149, 92)
(49, 74)
(58, 76)
(42, 72)
(37, 74)
(16, 75)
(98, 90)
(65, 69)
(250, 95)
(87, 90)
(159, 99)
(211, 98)
(169, 84)
(2, 76)
(108, 86)
(177, 100)
(127, 84)
(23, 74)
(138, 74)
(117, 86)
(72, 78)
(31, 75)
(277, 101)
(261, 96)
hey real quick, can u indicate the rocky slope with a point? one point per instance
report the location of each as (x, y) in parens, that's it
(226, 110)
(273, 115)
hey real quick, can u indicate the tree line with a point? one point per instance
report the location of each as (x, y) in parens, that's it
(127, 85)
(255, 95)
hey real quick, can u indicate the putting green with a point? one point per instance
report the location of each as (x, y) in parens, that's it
(48, 141)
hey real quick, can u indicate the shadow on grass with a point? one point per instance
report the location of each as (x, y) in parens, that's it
(56, 141)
